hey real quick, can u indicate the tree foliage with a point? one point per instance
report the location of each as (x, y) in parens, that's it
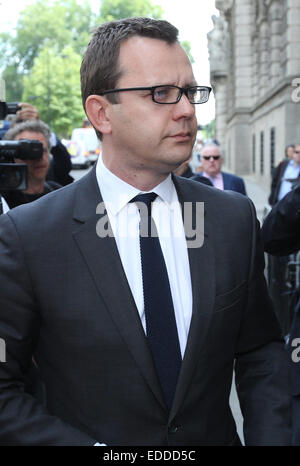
(187, 47)
(209, 130)
(53, 86)
(118, 9)
(60, 23)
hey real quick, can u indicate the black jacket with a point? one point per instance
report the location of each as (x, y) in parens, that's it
(281, 228)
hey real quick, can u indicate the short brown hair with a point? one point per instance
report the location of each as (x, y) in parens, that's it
(99, 69)
(33, 126)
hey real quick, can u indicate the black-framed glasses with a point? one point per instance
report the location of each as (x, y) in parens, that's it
(167, 94)
(207, 157)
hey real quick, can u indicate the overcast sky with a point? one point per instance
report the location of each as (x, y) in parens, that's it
(191, 17)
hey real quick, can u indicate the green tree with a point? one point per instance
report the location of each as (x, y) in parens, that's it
(53, 86)
(60, 23)
(118, 9)
(209, 130)
(187, 47)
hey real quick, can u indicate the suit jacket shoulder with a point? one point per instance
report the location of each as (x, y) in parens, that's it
(233, 182)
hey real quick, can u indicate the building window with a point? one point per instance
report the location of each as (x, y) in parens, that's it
(272, 150)
(262, 162)
(253, 153)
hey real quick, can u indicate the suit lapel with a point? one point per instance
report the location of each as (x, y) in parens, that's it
(112, 285)
(226, 181)
(202, 267)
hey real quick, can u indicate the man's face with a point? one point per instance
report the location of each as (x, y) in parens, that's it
(38, 168)
(290, 152)
(211, 166)
(146, 135)
(296, 155)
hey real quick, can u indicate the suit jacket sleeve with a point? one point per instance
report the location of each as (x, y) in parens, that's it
(242, 187)
(23, 420)
(281, 228)
(276, 182)
(262, 367)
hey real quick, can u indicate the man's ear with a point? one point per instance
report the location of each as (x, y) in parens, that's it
(96, 109)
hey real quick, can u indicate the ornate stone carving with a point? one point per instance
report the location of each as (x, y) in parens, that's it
(218, 45)
(224, 5)
(261, 10)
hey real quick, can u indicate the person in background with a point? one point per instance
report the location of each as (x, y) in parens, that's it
(211, 160)
(289, 151)
(60, 161)
(283, 180)
(37, 169)
(281, 236)
(285, 174)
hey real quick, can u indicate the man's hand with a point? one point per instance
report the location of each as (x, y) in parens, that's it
(27, 112)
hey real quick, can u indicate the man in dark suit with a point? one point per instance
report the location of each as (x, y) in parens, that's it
(74, 293)
(211, 160)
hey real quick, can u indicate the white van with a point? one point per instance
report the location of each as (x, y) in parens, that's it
(84, 147)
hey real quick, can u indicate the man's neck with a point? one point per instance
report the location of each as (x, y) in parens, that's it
(35, 187)
(144, 180)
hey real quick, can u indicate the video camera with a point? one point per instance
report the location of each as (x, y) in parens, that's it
(8, 108)
(13, 176)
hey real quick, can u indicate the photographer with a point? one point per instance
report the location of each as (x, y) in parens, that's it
(60, 163)
(281, 236)
(37, 168)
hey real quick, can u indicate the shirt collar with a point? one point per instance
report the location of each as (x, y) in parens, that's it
(116, 193)
(218, 176)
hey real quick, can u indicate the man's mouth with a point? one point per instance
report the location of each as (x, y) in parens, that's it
(183, 136)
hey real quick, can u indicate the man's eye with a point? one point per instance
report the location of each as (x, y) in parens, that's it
(161, 94)
(192, 94)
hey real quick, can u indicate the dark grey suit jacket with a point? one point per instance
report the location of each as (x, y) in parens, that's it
(65, 299)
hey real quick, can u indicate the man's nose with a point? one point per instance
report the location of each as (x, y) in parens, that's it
(183, 108)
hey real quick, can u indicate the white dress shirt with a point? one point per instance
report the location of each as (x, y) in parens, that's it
(124, 218)
(5, 207)
(292, 171)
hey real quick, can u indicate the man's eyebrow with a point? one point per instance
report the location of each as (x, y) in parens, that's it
(191, 84)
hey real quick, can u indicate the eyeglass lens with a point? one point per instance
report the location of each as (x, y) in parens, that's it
(169, 94)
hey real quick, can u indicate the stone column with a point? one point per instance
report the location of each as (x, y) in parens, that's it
(255, 67)
(218, 45)
(263, 57)
(220, 91)
(293, 37)
(242, 53)
(275, 13)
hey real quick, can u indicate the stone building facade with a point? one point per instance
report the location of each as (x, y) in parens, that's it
(254, 51)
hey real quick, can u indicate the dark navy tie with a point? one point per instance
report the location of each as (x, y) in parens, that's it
(161, 328)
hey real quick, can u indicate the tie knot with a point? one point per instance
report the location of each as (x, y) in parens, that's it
(146, 199)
